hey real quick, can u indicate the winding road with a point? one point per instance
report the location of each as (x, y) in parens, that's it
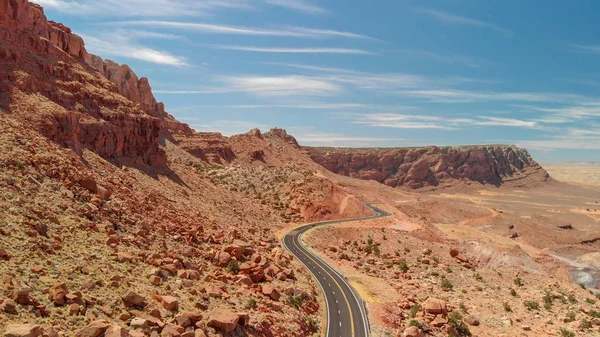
(346, 314)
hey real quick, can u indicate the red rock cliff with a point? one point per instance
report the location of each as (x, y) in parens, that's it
(433, 166)
(48, 79)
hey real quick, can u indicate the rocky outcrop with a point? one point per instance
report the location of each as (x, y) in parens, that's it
(52, 83)
(432, 166)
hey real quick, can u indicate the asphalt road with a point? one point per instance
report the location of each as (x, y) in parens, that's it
(346, 314)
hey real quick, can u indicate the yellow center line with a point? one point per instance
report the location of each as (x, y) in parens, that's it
(336, 282)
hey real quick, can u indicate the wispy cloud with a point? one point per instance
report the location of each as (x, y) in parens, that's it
(463, 96)
(225, 127)
(342, 140)
(298, 5)
(140, 8)
(122, 45)
(572, 139)
(412, 121)
(453, 19)
(283, 31)
(447, 59)
(266, 86)
(293, 50)
(593, 49)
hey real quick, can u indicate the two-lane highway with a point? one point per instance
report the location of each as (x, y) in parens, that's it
(346, 314)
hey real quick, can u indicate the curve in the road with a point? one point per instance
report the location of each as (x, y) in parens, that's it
(346, 314)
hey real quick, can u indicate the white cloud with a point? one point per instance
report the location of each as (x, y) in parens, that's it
(293, 50)
(285, 31)
(225, 127)
(280, 86)
(412, 121)
(573, 139)
(342, 140)
(120, 45)
(298, 5)
(463, 96)
(453, 19)
(139, 8)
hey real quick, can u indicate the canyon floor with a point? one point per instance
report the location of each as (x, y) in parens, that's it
(586, 174)
(526, 264)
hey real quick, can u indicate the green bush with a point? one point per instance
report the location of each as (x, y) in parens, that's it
(414, 310)
(295, 301)
(233, 266)
(519, 282)
(564, 332)
(446, 284)
(531, 305)
(455, 321)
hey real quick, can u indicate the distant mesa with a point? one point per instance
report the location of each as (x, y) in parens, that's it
(434, 166)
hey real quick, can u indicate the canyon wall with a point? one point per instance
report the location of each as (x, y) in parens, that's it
(434, 166)
(50, 81)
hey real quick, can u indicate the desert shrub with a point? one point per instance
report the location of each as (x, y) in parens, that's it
(446, 284)
(590, 300)
(414, 310)
(403, 267)
(571, 316)
(295, 301)
(507, 307)
(531, 305)
(252, 303)
(519, 282)
(594, 314)
(455, 321)
(572, 299)
(414, 322)
(233, 266)
(513, 292)
(585, 324)
(406, 250)
(564, 332)
(478, 277)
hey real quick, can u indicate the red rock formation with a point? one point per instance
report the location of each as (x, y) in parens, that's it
(431, 166)
(48, 79)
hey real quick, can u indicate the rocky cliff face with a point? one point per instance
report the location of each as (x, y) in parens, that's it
(434, 166)
(49, 80)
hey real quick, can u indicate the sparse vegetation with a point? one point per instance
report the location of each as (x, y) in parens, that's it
(564, 332)
(403, 267)
(414, 310)
(531, 305)
(295, 301)
(233, 267)
(518, 282)
(513, 292)
(478, 277)
(446, 284)
(455, 321)
(252, 303)
(507, 307)
(414, 322)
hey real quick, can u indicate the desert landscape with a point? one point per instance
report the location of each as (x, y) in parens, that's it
(118, 220)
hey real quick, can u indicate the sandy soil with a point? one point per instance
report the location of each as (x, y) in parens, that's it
(587, 174)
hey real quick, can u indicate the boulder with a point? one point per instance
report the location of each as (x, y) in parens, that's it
(9, 306)
(223, 320)
(94, 329)
(435, 306)
(116, 331)
(413, 331)
(132, 299)
(58, 293)
(23, 330)
(169, 302)
(454, 252)
(271, 292)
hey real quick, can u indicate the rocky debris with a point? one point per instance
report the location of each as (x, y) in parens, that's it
(9, 306)
(271, 292)
(432, 166)
(23, 330)
(169, 302)
(435, 306)
(57, 294)
(94, 329)
(454, 252)
(132, 299)
(226, 321)
(413, 331)
(4, 254)
(116, 331)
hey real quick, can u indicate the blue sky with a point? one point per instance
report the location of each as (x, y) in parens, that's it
(365, 73)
